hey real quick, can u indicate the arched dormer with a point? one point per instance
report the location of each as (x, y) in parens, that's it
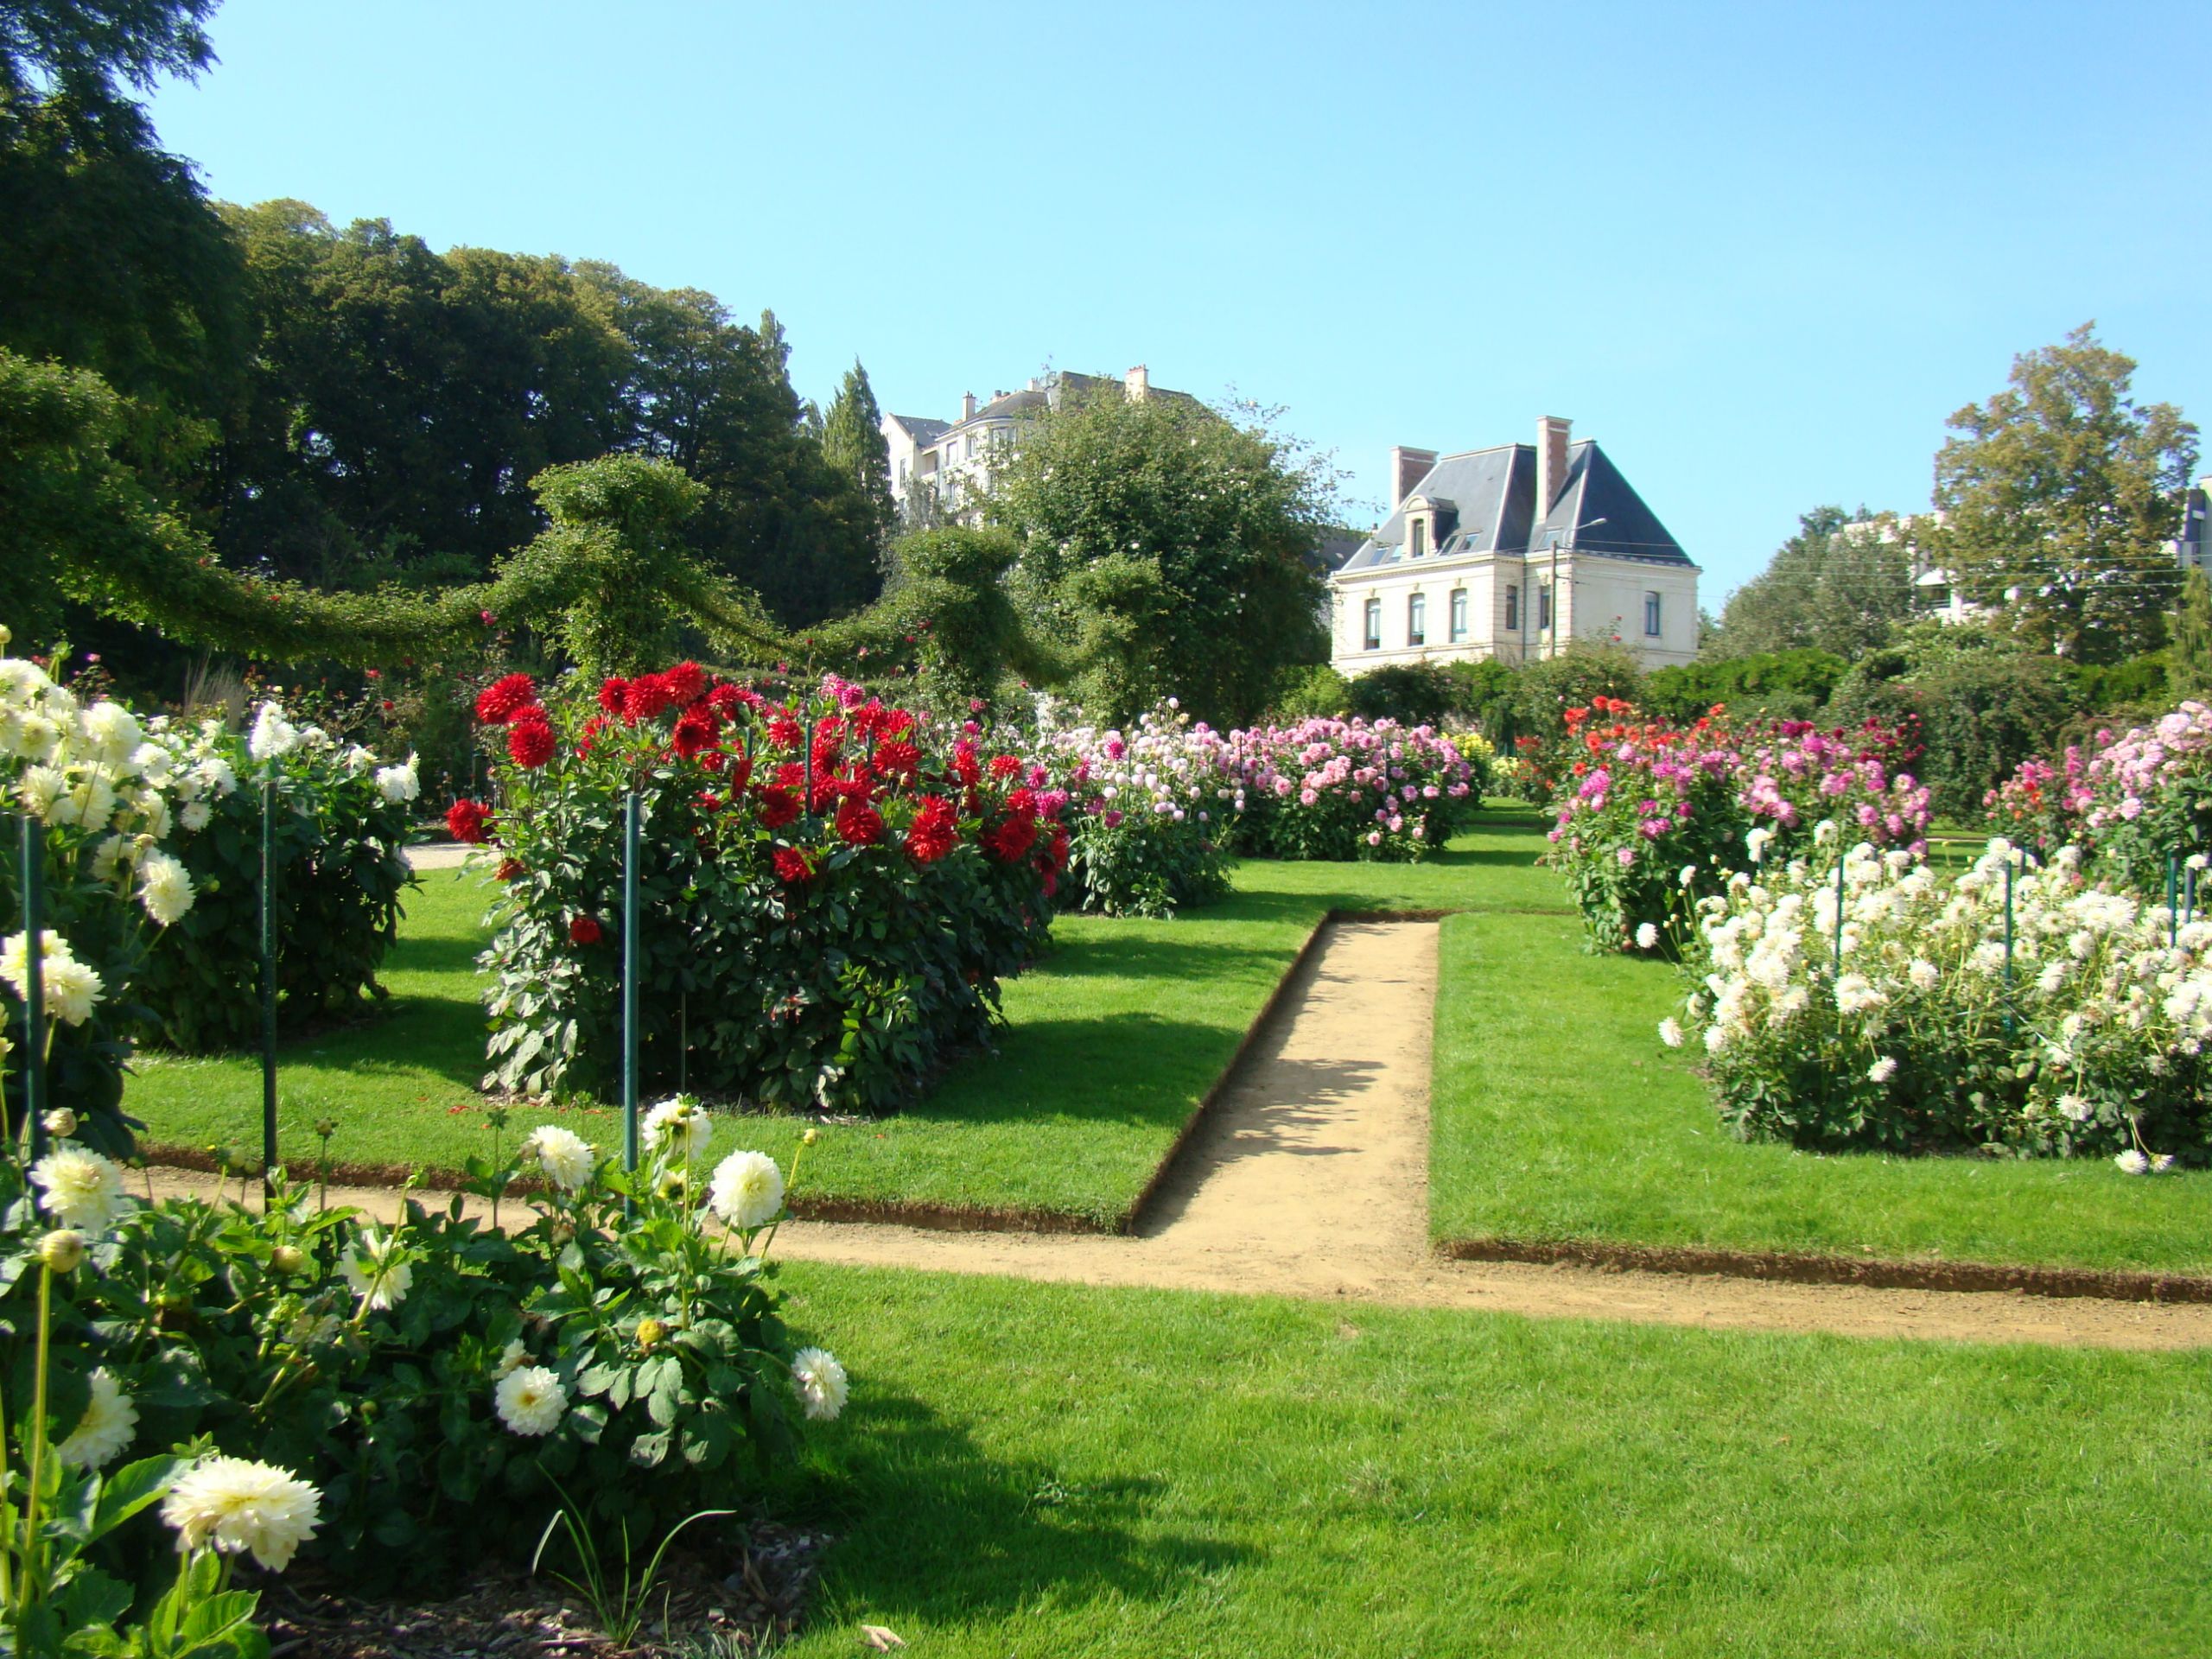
(1430, 520)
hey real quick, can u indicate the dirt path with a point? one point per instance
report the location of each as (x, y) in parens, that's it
(1311, 1180)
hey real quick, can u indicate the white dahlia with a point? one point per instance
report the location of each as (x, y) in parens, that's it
(164, 888)
(530, 1400)
(564, 1155)
(374, 1272)
(72, 989)
(747, 1190)
(234, 1504)
(107, 1428)
(820, 1381)
(680, 1124)
(79, 1188)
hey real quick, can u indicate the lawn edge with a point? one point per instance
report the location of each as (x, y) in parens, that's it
(1807, 1268)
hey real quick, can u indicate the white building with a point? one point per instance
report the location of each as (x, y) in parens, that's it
(949, 460)
(1513, 553)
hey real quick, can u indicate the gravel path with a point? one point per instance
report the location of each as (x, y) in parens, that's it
(1310, 1179)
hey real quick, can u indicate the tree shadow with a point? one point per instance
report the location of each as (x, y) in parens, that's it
(1136, 1067)
(934, 1531)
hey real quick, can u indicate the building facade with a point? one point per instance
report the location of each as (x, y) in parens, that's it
(945, 463)
(1513, 553)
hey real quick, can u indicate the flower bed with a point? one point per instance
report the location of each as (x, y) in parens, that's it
(343, 822)
(831, 892)
(1652, 815)
(1917, 1026)
(2139, 806)
(1147, 810)
(433, 1391)
(1346, 789)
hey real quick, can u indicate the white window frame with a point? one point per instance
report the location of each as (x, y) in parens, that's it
(1458, 625)
(1416, 619)
(1371, 638)
(1652, 614)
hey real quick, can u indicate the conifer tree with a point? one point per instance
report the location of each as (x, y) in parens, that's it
(852, 437)
(2189, 658)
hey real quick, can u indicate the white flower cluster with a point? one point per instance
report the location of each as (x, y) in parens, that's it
(1163, 767)
(2098, 999)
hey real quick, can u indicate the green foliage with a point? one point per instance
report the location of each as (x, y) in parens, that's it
(2189, 665)
(1782, 685)
(86, 46)
(1167, 550)
(2062, 491)
(949, 619)
(1980, 703)
(1309, 691)
(1841, 592)
(1544, 691)
(340, 875)
(854, 445)
(1412, 694)
(1483, 694)
(791, 952)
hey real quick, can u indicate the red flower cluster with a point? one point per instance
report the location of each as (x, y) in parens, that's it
(501, 701)
(530, 742)
(794, 864)
(469, 821)
(584, 930)
(936, 830)
(858, 823)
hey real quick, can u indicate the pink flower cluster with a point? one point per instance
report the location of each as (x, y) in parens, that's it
(2135, 802)
(1347, 789)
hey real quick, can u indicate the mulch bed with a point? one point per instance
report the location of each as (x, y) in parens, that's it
(734, 1598)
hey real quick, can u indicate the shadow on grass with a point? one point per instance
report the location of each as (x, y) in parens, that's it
(1136, 1067)
(1093, 957)
(437, 953)
(934, 1531)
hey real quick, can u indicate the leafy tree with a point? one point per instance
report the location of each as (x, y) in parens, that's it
(852, 442)
(1309, 691)
(1785, 684)
(83, 46)
(2061, 490)
(1167, 548)
(1415, 693)
(1839, 585)
(2189, 659)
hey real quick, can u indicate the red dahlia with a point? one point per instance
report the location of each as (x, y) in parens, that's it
(1004, 765)
(964, 766)
(509, 869)
(696, 729)
(584, 930)
(898, 758)
(896, 722)
(643, 697)
(500, 702)
(858, 823)
(530, 742)
(936, 831)
(784, 732)
(1023, 803)
(611, 693)
(725, 697)
(793, 865)
(469, 821)
(686, 683)
(1011, 840)
(778, 808)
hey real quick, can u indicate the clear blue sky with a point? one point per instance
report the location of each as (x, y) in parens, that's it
(1758, 252)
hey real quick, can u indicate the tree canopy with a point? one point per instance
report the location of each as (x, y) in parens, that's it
(1164, 548)
(1842, 585)
(2060, 492)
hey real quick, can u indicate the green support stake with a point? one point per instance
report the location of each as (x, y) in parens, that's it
(34, 872)
(268, 987)
(629, 980)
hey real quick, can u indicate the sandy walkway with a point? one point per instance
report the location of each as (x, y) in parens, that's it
(1311, 1180)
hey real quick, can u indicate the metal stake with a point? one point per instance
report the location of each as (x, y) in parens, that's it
(629, 980)
(34, 870)
(268, 987)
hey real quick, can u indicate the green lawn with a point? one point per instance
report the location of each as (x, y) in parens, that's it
(1557, 1116)
(1111, 1042)
(1049, 1471)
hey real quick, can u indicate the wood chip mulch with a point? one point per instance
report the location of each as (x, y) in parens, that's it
(733, 1599)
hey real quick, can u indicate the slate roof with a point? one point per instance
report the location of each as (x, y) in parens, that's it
(1493, 497)
(924, 432)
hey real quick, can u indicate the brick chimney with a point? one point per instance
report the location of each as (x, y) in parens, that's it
(1137, 384)
(1551, 461)
(1407, 468)
(967, 405)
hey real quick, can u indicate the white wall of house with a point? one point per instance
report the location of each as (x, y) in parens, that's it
(1598, 599)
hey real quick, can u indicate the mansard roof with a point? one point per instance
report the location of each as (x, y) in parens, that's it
(1495, 493)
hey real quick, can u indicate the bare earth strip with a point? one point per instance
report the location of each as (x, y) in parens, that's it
(1310, 1179)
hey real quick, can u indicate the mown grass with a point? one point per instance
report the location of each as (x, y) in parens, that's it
(1559, 1116)
(1110, 1043)
(1053, 1471)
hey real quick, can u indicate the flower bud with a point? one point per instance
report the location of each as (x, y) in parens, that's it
(62, 1249)
(810, 1137)
(60, 1122)
(288, 1259)
(650, 1334)
(326, 1127)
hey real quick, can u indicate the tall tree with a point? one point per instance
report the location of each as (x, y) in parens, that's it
(2061, 490)
(853, 440)
(1169, 548)
(2189, 657)
(1841, 585)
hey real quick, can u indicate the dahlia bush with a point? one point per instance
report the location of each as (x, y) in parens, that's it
(1346, 789)
(1148, 809)
(1915, 1027)
(109, 806)
(2137, 805)
(1652, 815)
(344, 817)
(831, 891)
(440, 1383)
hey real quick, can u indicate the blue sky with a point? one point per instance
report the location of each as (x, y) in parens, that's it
(1758, 252)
